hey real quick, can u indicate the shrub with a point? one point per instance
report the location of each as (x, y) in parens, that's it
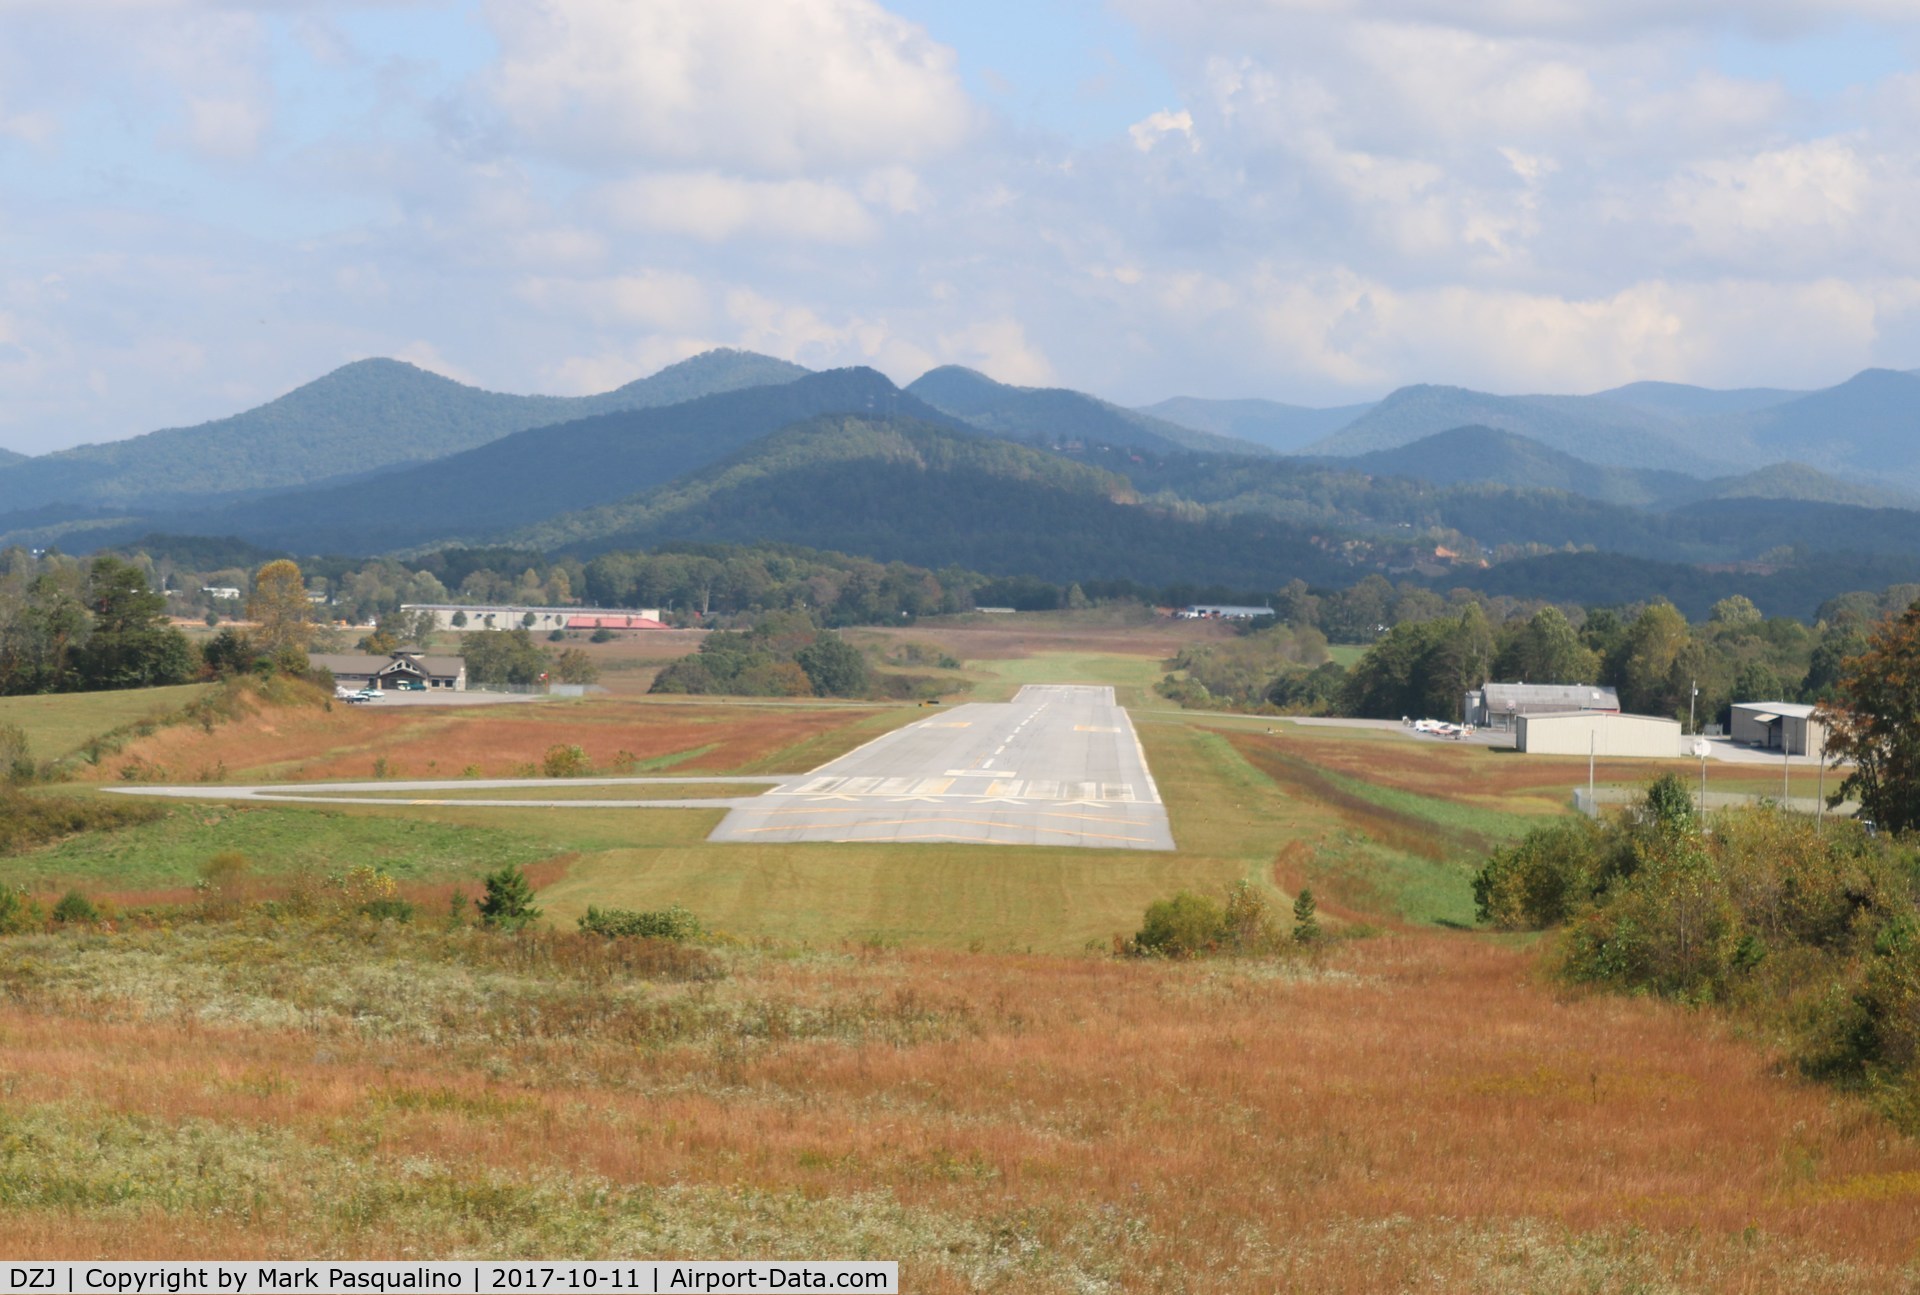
(1248, 923)
(75, 909)
(565, 761)
(16, 756)
(17, 912)
(1538, 881)
(225, 870)
(601, 635)
(508, 904)
(1182, 927)
(672, 923)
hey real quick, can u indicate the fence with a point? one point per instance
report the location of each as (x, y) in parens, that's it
(1617, 796)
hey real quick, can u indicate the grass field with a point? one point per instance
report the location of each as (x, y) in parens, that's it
(62, 723)
(872, 1063)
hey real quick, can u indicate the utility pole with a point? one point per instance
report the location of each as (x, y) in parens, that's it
(1693, 695)
(1700, 748)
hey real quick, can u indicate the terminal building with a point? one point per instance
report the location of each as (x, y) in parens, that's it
(541, 620)
(408, 668)
(1500, 705)
(1786, 726)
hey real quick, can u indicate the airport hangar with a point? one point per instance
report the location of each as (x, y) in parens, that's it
(1786, 726)
(1585, 732)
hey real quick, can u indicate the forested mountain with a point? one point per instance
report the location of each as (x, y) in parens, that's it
(1493, 457)
(364, 416)
(1591, 427)
(1679, 400)
(903, 489)
(1277, 426)
(531, 475)
(1468, 455)
(1054, 416)
(1610, 579)
(1869, 425)
(10, 456)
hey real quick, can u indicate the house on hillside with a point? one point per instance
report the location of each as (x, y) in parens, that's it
(1500, 705)
(405, 668)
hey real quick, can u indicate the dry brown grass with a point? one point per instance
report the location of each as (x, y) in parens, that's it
(499, 741)
(1418, 1108)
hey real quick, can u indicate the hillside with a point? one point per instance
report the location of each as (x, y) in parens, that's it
(1054, 416)
(1487, 455)
(1868, 426)
(1484, 455)
(531, 475)
(1590, 427)
(1277, 426)
(901, 488)
(10, 456)
(1679, 400)
(1810, 485)
(365, 416)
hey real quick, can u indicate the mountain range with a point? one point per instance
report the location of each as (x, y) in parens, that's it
(364, 416)
(379, 456)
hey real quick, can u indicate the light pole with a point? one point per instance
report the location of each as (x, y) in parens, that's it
(1700, 748)
(1693, 695)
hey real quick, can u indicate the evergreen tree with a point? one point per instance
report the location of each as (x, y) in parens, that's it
(1306, 922)
(508, 904)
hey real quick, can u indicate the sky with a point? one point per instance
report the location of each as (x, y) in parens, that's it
(206, 203)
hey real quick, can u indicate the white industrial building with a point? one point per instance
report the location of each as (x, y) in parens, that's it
(1221, 612)
(1647, 737)
(1786, 726)
(541, 620)
(1499, 705)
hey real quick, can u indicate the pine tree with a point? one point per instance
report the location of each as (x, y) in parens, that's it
(508, 903)
(1306, 927)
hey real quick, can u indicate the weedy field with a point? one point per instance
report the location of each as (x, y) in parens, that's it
(924, 1053)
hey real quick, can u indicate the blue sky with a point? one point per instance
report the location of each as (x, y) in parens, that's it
(204, 203)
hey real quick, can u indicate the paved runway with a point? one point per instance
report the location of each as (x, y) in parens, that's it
(1058, 765)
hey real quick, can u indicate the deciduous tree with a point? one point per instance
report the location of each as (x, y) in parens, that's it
(282, 616)
(1875, 726)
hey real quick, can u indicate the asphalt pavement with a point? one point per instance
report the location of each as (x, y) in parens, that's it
(1058, 765)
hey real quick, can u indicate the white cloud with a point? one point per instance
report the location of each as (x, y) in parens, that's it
(802, 85)
(1571, 18)
(1156, 126)
(716, 208)
(999, 348)
(661, 301)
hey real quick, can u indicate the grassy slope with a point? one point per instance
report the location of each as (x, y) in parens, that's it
(61, 723)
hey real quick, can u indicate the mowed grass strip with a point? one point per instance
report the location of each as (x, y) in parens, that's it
(59, 724)
(279, 841)
(558, 789)
(1045, 899)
